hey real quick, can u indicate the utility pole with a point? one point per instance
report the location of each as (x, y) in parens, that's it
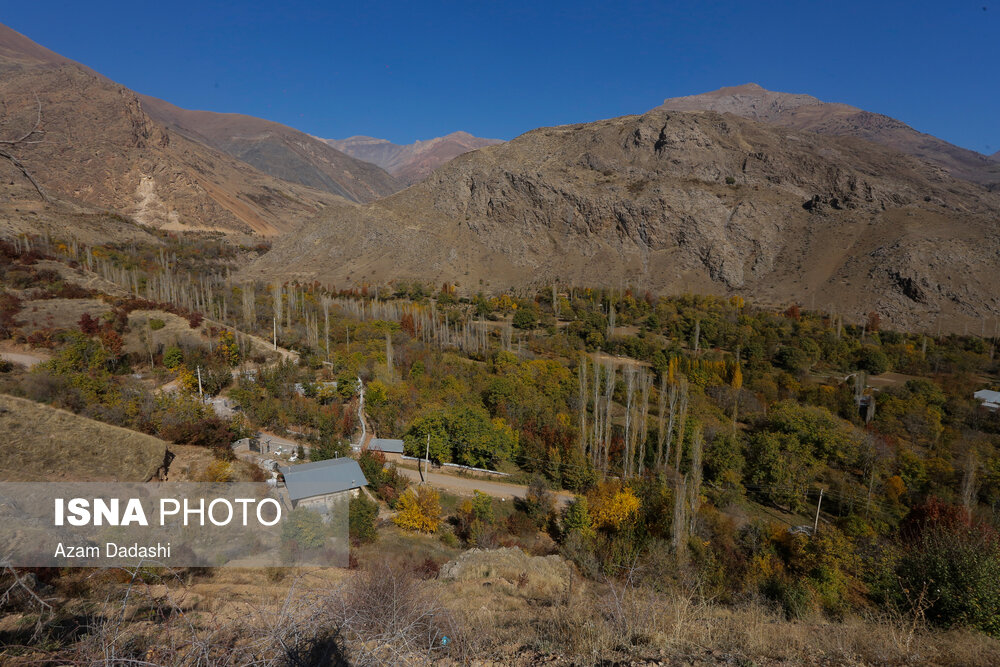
(427, 455)
(818, 504)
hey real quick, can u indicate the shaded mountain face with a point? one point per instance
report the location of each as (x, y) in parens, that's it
(411, 163)
(95, 148)
(803, 112)
(677, 202)
(277, 150)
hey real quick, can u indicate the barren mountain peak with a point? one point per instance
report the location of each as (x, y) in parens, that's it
(805, 112)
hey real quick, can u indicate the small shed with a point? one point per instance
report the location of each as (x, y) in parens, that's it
(386, 445)
(321, 482)
(988, 399)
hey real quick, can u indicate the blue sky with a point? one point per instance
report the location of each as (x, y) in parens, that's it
(410, 70)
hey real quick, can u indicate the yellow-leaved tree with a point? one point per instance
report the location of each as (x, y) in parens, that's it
(613, 505)
(419, 509)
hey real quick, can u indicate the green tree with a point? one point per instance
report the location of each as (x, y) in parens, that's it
(576, 518)
(525, 318)
(361, 518)
(873, 360)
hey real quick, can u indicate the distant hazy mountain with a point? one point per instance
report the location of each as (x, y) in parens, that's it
(803, 112)
(278, 150)
(99, 150)
(411, 163)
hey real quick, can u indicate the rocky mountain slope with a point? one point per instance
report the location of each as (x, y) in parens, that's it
(411, 163)
(803, 112)
(675, 202)
(90, 146)
(277, 150)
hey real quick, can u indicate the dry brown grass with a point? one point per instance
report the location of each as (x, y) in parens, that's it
(612, 621)
(48, 444)
(57, 313)
(385, 613)
(176, 331)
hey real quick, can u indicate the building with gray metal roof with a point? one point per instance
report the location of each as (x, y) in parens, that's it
(322, 478)
(387, 445)
(988, 399)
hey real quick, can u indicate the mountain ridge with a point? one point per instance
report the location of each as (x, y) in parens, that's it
(804, 112)
(675, 202)
(91, 147)
(278, 150)
(411, 163)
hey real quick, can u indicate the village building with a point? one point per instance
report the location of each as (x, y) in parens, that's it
(392, 448)
(322, 484)
(988, 399)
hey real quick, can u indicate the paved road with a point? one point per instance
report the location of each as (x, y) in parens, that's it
(464, 486)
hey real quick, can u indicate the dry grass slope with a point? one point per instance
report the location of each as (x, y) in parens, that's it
(47, 444)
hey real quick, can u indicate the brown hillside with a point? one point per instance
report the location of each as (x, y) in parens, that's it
(674, 202)
(803, 112)
(277, 150)
(95, 147)
(46, 444)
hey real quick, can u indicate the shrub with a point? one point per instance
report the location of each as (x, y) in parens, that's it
(613, 506)
(361, 518)
(156, 324)
(538, 503)
(88, 324)
(419, 509)
(173, 357)
(219, 471)
(873, 360)
(576, 519)
(304, 529)
(524, 318)
(958, 560)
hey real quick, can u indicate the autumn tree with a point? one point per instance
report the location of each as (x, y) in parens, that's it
(419, 510)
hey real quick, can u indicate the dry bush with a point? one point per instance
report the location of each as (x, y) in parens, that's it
(391, 617)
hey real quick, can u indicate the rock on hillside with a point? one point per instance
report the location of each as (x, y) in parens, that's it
(803, 112)
(510, 566)
(676, 202)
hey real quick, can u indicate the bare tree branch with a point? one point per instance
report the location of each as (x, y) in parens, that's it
(25, 139)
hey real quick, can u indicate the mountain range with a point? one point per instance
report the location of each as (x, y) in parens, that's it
(780, 197)
(678, 201)
(411, 163)
(277, 150)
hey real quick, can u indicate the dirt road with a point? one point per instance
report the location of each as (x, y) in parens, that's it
(24, 359)
(464, 486)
